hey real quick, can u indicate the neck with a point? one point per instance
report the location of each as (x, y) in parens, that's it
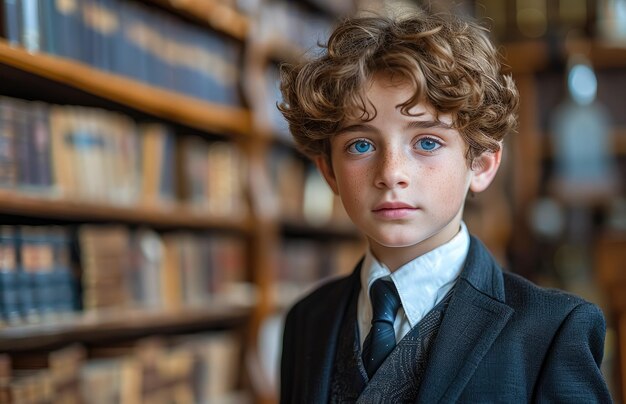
(395, 257)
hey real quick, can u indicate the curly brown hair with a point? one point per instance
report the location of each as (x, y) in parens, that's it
(450, 62)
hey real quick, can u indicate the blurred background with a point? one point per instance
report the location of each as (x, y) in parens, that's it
(157, 221)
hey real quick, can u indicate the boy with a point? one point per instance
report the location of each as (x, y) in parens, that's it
(403, 117)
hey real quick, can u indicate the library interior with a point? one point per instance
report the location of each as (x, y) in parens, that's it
(157, 220)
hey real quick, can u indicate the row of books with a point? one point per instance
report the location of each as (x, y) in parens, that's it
(131, 39)
(302, 193)
(115, 268)
(191, 369)
(213, 176)
(123, 268)
(519, 19)
(95, 155)
(291, 20)
(36, 277)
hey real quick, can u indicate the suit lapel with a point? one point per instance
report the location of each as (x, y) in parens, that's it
(474, 319)
(323, 337)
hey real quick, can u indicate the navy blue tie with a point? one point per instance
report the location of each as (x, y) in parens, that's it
(382, 338)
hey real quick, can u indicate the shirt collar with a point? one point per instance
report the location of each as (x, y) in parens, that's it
(425, 280)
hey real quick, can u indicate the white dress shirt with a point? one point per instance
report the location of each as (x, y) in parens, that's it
(422, 283)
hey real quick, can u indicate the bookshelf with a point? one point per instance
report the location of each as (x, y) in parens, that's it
(167, 237)
(16, 203)
(115, 325)
(130, 93)
(213, 13)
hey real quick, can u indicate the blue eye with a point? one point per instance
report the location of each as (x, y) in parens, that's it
(428, 144)
(360, 147)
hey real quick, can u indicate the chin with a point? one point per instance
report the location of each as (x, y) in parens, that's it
(397, 241)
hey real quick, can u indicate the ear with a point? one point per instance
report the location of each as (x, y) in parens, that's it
(484, 169)
(327, 171)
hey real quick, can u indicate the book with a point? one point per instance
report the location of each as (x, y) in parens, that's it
(30, 34)
(37, 264)
(101, 380)
(64, 368)
(40, 147)
(64, 286)
(105, 259)
(288, 173)
(9, 293)
(5, 378)
(64, 173)
(158, 165)
(171, 286)
(194, 158)
(216, 374)
(100, 24)
(12, 23)
(87, 144)
(136, 36)
(228, 264)
(31, 386)
(8, 135)
(22, 143)
(65, 36)
(195, 269)
(144, 274)
(124, 166)
(225, 190)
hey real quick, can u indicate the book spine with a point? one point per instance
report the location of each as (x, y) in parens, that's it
(12, 22)
(65, 20)
(22, 132)
(62, 166)
(64, 290)
(125, 56)
(9, 294)
(136, 36)
(41, 147)
(31, 40)
(167, 172)
(36, 259)
(8, 158)
(25, 274)
(46, 26)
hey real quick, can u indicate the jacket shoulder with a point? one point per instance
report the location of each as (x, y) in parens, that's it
(326, 292)
(544, 304)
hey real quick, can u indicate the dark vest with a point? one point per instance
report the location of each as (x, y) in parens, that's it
(399, 377)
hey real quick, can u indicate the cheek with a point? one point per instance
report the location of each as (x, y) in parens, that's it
(448, 184)
(351, 183)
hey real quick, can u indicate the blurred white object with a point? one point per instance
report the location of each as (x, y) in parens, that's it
(585, 169)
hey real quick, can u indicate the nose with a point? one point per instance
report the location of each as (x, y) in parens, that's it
(392, 170)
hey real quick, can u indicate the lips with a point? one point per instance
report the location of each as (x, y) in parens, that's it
(393, 205)
(393, 210)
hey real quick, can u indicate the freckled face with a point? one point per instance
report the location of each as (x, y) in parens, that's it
(402, 179)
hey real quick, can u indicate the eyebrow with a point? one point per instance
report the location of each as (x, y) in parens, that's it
(429, 124)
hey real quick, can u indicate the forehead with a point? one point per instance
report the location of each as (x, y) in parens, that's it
(391, 94)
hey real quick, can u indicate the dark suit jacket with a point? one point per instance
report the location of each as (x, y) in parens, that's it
(502, 339)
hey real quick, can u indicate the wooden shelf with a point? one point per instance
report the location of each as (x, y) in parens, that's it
(216, 15)
(139, 96)
(129, 323)
(533, 56)
(280, 50)
(15, 203)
